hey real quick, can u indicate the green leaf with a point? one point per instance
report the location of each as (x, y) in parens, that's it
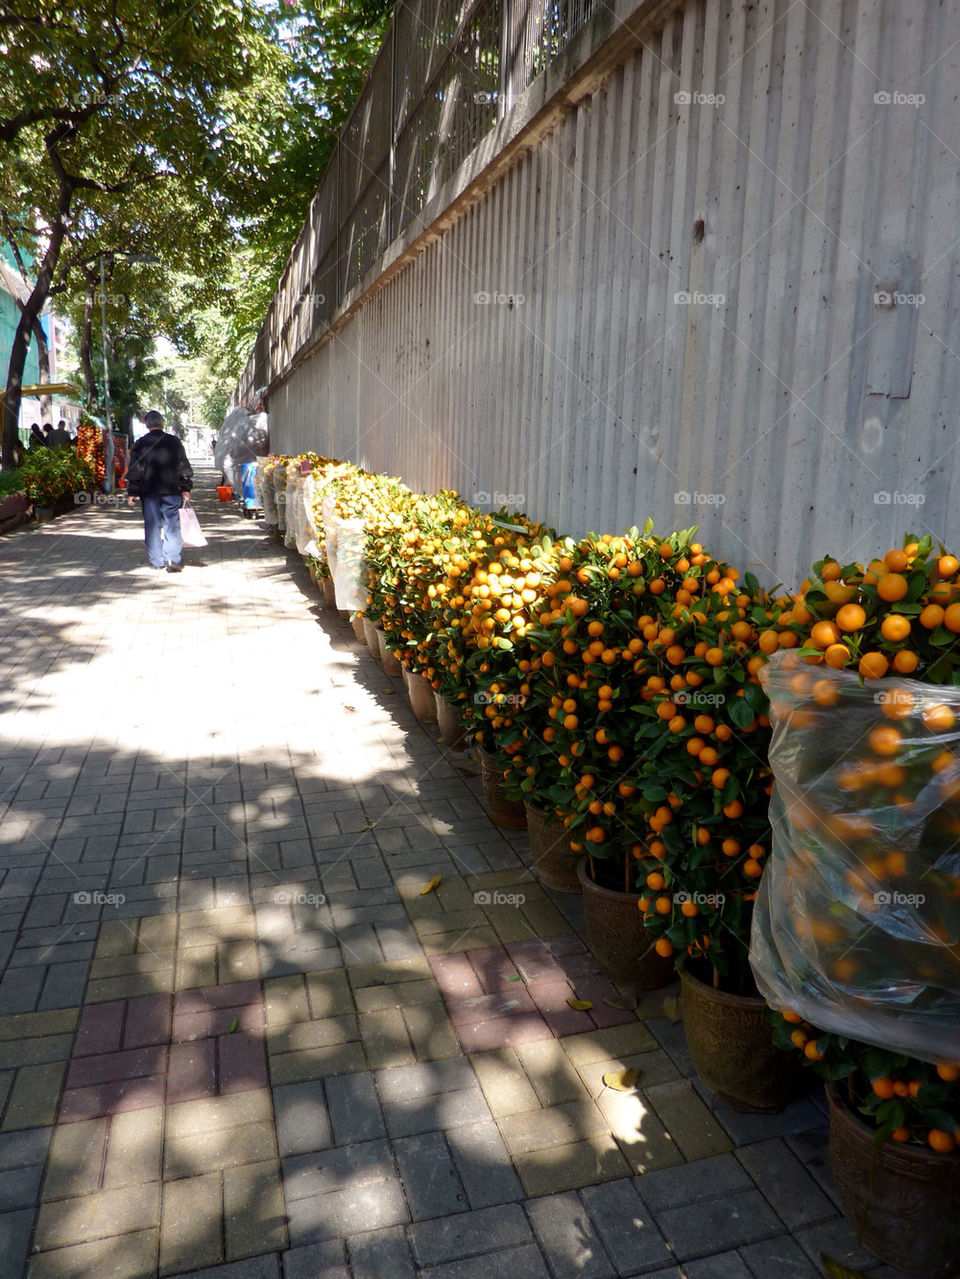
(834, 1270)
(235, 1024)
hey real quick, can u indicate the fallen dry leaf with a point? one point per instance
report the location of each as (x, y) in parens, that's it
(671, 1008)
(581, 1005)
(834, 1269)
(430, 885)
(621, 1080)
(625, 1003)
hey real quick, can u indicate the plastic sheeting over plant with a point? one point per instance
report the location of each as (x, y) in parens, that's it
(346, 542)
(242, 438)
(857, 922)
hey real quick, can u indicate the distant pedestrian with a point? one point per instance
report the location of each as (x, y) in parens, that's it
(48, 435)
(60, 438)
(36, 438)
(161, 477)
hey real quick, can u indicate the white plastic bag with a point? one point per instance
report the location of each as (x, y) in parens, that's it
(191, 534)
(346, 545)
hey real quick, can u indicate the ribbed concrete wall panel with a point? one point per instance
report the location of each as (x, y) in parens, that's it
(785, 399)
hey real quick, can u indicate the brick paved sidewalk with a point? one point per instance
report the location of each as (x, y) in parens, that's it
(236, 1041)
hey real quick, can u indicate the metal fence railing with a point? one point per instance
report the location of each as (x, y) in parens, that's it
(446, 72)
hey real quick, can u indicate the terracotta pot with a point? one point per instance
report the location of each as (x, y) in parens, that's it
(554, 861)
(505, 812)
(370, 636)
(732, 1048)
(621, 945)
(452, 731)
(901, 1200)
(329, 592)
(357, 623)
(390, 663)
(422, 700)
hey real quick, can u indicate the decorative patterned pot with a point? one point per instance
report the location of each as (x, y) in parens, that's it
(901, 1200)
(621, 945)
(452, 731)
(554, 861)
(732, 1048)
(505, 812)
(390, 663)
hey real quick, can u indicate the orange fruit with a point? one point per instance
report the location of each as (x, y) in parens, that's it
(948, 565)
(897, 703)
(949, 1073)
(851, 617)
(939, 719)
(655, 881)
(689, 909)
(825, 692)
(895, 627)
(896, 561)
(768, 642)
(730, 847)
(942, 1142)
(836, 656)
(951, 618)
(752, 868)
(906, 662)
(713, 656)
(822, 634)
(901, 1134)
(931, 617)
(892, 587)
(810, 1051)
(831, 571)
(663, 906)
(884, 1088)
(884, 739)
(873, 665)
(664, 947)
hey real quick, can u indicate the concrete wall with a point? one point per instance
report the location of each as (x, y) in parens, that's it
(790, 397)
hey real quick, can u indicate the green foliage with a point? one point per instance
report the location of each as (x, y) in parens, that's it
(47, 476)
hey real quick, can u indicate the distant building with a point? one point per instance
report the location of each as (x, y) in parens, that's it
(12, 286)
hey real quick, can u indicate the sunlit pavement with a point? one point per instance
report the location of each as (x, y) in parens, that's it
(236, 1040)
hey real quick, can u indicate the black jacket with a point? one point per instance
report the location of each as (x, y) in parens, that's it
(158, 466)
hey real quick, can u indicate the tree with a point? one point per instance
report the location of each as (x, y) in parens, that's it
(161, 94)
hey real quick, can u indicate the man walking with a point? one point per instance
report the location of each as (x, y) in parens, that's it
(160, 475)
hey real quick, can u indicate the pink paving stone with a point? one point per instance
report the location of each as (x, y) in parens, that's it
(217, 1021)
(109, 1067)
(230, 995)
(192, 1073)
(484, 1007)
(243, 1063)
(534, 961)
(604, 1016)
(111, 1099)
(454, 975)
(494, 967)
(503, 1032)
(148, 1021)
(568, 1021)
(568, 945)
(99, 1029)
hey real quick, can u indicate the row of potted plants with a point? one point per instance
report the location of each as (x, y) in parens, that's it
(614, 685)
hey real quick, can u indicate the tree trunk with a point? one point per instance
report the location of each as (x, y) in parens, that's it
(29, 317)
(86, 335)
(43, 363)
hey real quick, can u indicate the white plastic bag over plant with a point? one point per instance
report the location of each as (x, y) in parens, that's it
(242, 438)
(345, 544)
(857, 921)
(264, 487)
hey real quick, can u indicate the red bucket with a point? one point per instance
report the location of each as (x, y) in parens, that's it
(224, 492)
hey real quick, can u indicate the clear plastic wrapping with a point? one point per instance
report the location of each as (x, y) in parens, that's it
(345, 546)
(857, 920)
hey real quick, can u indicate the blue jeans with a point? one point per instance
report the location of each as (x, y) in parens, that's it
(162, 512)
